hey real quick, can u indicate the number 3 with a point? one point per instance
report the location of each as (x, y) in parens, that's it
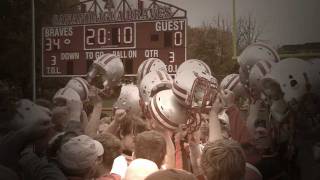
(53, 60)
(171, 57)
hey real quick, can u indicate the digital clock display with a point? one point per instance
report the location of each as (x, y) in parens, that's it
(70, 50)
(109, 36)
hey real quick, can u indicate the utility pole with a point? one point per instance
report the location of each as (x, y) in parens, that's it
(234, 30)
(34, 89)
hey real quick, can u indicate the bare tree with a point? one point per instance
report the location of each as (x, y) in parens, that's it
(248, 31)
(212, 42)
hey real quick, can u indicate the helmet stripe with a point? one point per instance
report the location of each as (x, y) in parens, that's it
(64, 90)
(142, 70)
(261, 68)
(206, 67)
(237, 81)
(162, 116)
(230, 81)
(150, 65)
(176, 87)
(158, 116)
(268, 64)
(161, 123)
(160, 75)
(109, 59)
(179, 97)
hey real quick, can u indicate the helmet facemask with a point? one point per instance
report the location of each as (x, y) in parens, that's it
(202, 94)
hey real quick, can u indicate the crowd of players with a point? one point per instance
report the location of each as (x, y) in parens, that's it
(262, 123)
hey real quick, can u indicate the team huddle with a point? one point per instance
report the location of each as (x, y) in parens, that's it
(261, 123)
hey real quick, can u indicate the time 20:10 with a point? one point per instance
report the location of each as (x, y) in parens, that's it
(115, 36)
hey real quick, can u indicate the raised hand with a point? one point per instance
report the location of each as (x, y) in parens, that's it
(119, 115)
(75, 108)
(218, 105)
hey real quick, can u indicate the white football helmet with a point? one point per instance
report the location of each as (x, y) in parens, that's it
(80, 85)
(110, 67)
(195, 65)
(149, 65)
(129, 100)
(152, 83)
(65, 94)
(252, 54)
(279, 110)
(232, 83)
(288, 78)
(166, 111)
(27, 112)
(195, 90)
(257, 73)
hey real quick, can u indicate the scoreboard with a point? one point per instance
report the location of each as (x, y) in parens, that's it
(70, 50)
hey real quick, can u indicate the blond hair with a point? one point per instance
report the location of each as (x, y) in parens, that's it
(223, 160)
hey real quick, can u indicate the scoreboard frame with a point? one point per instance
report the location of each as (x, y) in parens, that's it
(83, 48)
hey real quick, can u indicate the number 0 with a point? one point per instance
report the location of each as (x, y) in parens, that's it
(102, 38)
(172, 68)
(127, 35)
(178, 38)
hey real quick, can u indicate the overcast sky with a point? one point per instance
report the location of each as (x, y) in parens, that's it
(282, 21)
